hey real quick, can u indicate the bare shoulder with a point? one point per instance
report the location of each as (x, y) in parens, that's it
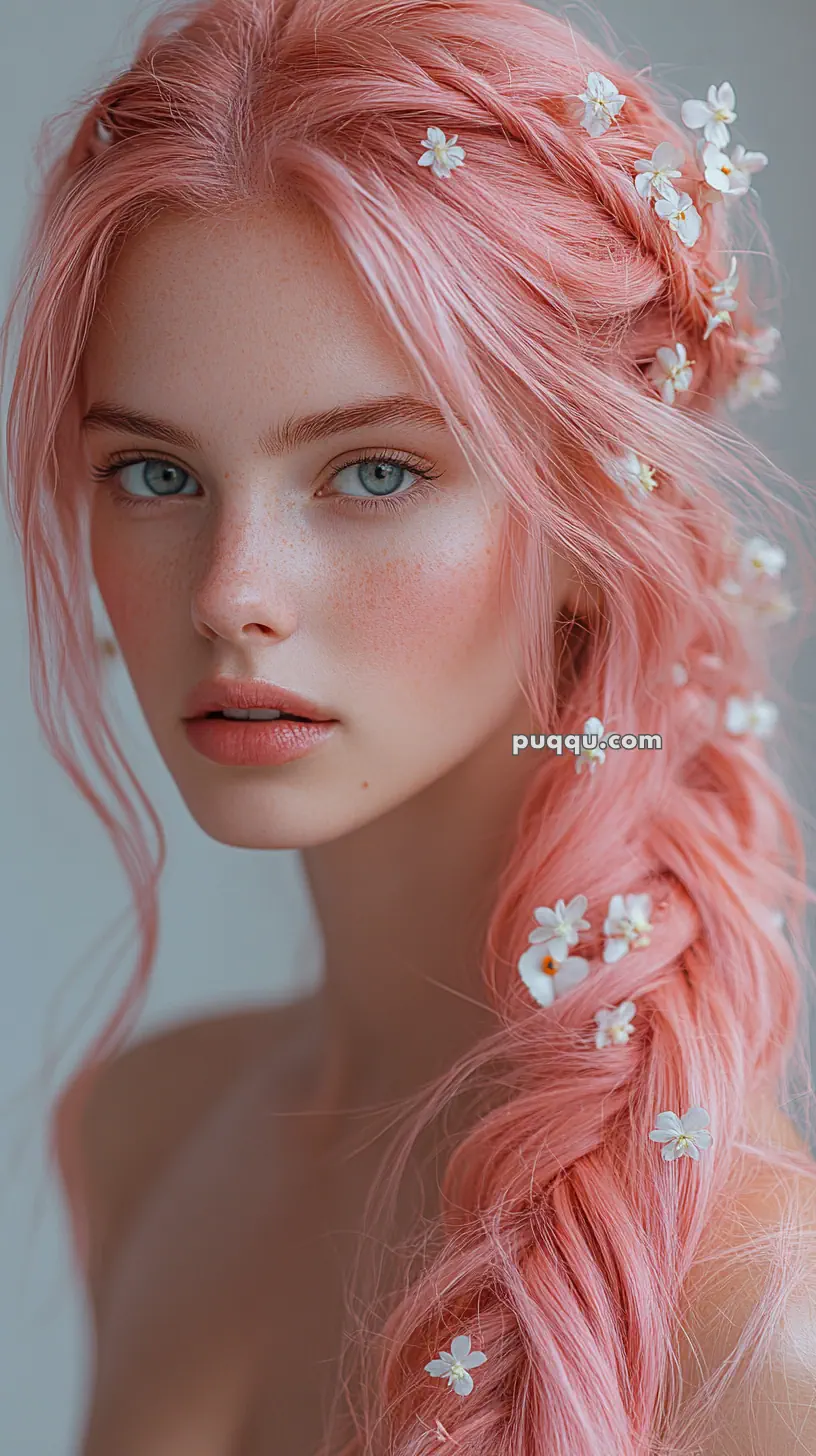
(769, 1406)
(149, 1100)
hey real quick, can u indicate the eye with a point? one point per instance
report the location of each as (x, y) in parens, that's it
(372, 476)
(161, 478)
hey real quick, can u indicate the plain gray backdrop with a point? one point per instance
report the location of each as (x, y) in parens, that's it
(237, 925)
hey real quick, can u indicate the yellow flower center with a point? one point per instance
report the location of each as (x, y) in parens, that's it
(457, 1370)
(549, 965)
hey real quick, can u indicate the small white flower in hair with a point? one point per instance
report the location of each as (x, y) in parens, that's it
(546, 977)
(760, 558)
(632, 475)
(455, 1363)
(558, 929)
(442, 156)
(671, 371)
(614, 1026)
(679, 674)
(602, 101)
(654, 177)
(682, 216)
(761, 344)
(754, 715)
(593, 753)
(724, 287)
(752, 384)
(627, 925)
(714, 115)
(682, 1137)
(722, 293)
(722, 316)
(722, 174)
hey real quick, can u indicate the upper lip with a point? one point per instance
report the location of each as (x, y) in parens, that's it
(233, 692)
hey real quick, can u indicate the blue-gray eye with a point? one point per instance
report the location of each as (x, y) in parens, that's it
(162, 476)
(378, 477)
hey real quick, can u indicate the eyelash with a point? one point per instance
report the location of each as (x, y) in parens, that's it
(118, 462)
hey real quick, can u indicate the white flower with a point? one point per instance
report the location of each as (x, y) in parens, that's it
(752, 384)
(671, 371)
(630, 473)
(761, 558)
(755, 715)
(714, 115)
(456, 1363)
(654, 176)
(754, 587)
(627, 925)
(759, 345)
(722, 316)
(441, 155)
(742, 166)
(682, 216)
(558, 929)
(615, 1026)
(722, 293)
(590, 757)
(602, 101)
(724, 287)
(546, 977)
(720, 173)
(682, 1136)
(679, 674)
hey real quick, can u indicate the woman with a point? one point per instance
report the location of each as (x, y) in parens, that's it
(379, 354)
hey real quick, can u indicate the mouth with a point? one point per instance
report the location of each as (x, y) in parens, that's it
(267, 715)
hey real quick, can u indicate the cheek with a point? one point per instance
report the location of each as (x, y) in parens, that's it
(429, 609)
(136, 590)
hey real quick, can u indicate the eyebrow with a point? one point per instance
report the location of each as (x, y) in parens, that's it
(283, 439)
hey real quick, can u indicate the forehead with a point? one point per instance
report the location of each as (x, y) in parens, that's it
(261, 304)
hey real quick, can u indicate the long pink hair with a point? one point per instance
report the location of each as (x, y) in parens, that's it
(531, 289)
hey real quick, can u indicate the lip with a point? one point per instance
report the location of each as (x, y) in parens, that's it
(231, 741)
(232, 692)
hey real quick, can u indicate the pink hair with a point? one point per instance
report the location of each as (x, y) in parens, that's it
(531, 289)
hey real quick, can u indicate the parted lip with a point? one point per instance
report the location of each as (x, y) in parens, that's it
(233, 692)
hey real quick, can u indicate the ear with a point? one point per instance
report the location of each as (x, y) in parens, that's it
(575, 597)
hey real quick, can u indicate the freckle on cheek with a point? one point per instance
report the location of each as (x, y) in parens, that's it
(410, 609)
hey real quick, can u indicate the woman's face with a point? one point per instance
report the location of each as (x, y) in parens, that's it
(244, 556)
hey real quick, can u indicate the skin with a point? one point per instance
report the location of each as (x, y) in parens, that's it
(398, 624)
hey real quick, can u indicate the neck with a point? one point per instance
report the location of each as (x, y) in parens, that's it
(403, 904)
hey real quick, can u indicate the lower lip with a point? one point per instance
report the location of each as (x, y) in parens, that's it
(241, 741)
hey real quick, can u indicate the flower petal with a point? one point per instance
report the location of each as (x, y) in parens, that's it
(695, 1119)
(460, 1346)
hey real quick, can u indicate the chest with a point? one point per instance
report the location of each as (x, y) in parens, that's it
(224, 1306)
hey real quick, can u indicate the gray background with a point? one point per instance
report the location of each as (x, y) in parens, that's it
(237, 925)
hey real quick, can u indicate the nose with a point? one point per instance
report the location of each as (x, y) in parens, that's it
(242, 586)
